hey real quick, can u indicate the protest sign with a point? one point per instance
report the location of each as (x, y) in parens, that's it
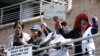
(20, 51)
(52, 10)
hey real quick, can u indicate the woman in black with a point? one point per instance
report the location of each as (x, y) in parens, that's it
(77, 31)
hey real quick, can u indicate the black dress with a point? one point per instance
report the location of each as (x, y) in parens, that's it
(16, 41)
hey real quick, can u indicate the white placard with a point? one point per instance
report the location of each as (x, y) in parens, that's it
(20, 51)
(52, 10)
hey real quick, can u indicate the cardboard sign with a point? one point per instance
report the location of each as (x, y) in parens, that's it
(20, 51)
(52, 10)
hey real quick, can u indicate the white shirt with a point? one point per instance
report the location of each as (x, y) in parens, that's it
(88, 44)
(24, 39)
(58, 38)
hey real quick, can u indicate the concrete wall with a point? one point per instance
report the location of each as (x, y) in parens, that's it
(90, 7)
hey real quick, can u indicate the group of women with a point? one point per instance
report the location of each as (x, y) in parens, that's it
(82, 28)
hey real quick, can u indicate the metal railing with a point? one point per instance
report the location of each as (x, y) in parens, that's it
(20, 11)
(95, 37)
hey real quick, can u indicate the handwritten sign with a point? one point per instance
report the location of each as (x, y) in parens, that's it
(20, 51)
(55, 10)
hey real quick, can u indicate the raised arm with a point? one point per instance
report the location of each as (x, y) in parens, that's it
(94, 25)
(46, 29)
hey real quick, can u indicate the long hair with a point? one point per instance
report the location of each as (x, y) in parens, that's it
(77, 23)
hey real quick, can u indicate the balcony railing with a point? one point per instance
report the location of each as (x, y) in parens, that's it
(20, 11)
(96, 51)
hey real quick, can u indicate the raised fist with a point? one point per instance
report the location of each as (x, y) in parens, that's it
(94, 22)
(43, 25)
(94, 19)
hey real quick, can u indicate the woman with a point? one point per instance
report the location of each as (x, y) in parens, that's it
(36, 39)
(56, 38)
(19, 37)
(81, 25)
(88, 46)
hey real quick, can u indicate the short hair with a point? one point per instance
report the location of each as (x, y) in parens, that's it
(39, 33)
(18, 22)
(55, 18)
(63, 23)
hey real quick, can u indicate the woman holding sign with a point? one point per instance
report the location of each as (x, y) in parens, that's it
(19, 37)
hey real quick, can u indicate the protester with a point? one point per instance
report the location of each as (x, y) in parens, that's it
(61, 24)
(88, 46)
(57, 38)
(36, 38)
(65, 28)
(81, 26)
(19, 37)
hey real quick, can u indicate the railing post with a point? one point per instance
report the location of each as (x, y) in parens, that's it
(41, 3)
(1, 20)
(20, 11)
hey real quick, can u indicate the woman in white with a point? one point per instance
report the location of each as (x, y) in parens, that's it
(53, 39)
(88, 46)
(19, 37)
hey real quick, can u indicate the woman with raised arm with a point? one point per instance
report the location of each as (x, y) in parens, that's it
(82, 28)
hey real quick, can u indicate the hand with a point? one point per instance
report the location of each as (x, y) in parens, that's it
(94, 22)
(52, 38)
(36, 46)
(58, 24)
(3, 50)
(58, 43)
(43, 25)
(68, 46)
(19, 40)
(94, 19)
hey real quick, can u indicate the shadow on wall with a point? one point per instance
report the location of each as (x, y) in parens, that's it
(97, 1)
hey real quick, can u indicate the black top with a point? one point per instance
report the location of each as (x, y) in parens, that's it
(75, 33)
(17, 41)
(47, 31)
(35, 43)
